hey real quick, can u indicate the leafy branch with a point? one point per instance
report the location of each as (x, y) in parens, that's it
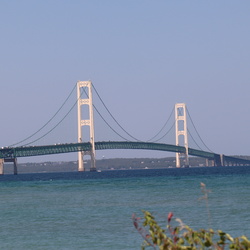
(182, 237)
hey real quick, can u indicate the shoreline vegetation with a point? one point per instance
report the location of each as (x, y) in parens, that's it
(180, 236)
(177, 236)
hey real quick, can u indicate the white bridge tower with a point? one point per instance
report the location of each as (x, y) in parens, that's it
(89, 121)
(181, 131)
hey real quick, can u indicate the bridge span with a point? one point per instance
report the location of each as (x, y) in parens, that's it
(84, 98)
(12, 153)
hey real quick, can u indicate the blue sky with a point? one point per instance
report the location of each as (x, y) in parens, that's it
(142, 56)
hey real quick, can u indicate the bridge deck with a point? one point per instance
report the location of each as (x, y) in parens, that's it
(15, 152)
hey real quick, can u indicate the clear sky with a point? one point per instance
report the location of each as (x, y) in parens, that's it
(143, 56)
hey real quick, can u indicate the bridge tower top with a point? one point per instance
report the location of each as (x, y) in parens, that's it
(181, 130)
(89, 121)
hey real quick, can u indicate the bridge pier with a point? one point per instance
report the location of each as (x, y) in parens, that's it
(212, 162)
(14, 160)
(207, 162)
(80, 162)
(222, 160)
(15, 166)
(1, 166)
(218, 160)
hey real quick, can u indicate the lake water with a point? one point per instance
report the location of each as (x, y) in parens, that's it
(93, 210)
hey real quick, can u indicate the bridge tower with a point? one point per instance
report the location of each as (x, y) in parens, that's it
(89, 121)
(181, 131)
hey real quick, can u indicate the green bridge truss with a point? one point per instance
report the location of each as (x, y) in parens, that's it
(15, 152)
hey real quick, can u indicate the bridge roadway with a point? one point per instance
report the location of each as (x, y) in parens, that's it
(15, 152)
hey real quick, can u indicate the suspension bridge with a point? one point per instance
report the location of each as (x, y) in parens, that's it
(11, 153)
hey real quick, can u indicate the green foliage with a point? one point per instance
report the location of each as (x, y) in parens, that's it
(183, 237)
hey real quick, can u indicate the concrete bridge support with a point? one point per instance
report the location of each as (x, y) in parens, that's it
(14, 160)
(222, 160)
(1, 166)
(15, 165)
(219, 160)
(210, 162)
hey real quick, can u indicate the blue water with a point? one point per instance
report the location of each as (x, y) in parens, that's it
(93, 210)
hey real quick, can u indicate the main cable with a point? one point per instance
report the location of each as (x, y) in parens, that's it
(166, 132)
(194, 140)
(54, 126)
(104, 118)
(66, 116)
(108, 124)
(113, 116)
(162, 128)
(198, 133)
(46, 122)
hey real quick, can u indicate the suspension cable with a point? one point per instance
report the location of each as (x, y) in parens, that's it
(66, 116)
(47, 121)
(194, 140)
(162, 127)
(108, 124)
(165, 133)
(198, 133)
(113, 116)
(54, 126)
(104, 118)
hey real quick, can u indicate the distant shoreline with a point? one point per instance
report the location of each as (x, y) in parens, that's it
(103, 164)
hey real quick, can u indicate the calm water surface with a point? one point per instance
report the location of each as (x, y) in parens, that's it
(93, 210)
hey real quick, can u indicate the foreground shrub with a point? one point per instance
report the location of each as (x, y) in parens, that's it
(183, 237)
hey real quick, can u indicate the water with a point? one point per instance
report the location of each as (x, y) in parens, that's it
(93, 210)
